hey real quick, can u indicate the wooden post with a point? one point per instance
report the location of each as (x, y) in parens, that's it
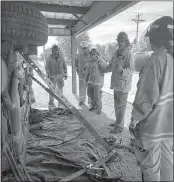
(73, 53)
(44, 55)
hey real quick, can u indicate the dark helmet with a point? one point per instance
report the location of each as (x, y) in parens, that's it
(161, 31)
(55, 47)
(122, 36)
(94, 51)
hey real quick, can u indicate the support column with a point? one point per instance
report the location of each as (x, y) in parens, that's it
(44, 55)
(73, 53)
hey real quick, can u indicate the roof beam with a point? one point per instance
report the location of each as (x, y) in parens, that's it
(58, 8)
(54, 21)
(99, 12)
(59, 32)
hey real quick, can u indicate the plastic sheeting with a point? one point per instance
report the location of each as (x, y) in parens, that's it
(60, 149)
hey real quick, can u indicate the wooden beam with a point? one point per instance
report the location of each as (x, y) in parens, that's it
(58, 8)
(99, 12)
(80, 19)
(54, 21)
(59, 32)
(73, 55)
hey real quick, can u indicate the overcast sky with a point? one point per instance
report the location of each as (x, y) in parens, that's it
(107, 31)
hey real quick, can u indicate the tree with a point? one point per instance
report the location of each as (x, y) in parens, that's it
(65, 45)
(106, 51)
(110, 49)
(47, 53)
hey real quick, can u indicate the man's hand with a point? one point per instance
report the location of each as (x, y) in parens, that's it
(65, 77)
(48, 76)
(119, 68)
(132, 127)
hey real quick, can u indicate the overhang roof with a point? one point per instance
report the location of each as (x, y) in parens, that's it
(72, 17)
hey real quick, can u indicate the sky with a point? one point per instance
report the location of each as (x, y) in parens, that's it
(107, 31)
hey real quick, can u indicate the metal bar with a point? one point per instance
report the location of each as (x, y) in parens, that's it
(73, 53)
(53, 31)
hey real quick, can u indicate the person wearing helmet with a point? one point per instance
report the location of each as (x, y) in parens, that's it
(152, 115)
(92, 72)
(121, 79)
(56, 71)
(81, 60)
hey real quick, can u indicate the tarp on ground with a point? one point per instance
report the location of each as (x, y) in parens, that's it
(60, 149)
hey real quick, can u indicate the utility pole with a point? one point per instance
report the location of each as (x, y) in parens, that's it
(137, 21)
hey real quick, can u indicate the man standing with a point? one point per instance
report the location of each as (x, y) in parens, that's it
(56, 71)
(152, 115)
(81, 60)
(121, 79)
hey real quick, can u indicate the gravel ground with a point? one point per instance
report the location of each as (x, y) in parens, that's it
(127, 166)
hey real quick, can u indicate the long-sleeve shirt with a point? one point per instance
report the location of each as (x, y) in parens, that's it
(153, 104)
(56, 67)
(81, 60)
(121, 81)
(92, 72)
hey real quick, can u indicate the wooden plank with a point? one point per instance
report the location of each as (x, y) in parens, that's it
(59, 32)
(54, 21)
(58, 8)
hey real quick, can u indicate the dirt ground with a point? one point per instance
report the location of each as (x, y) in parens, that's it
(128, 166)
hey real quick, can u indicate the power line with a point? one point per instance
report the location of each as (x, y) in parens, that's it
(137, 21)
(153, 14)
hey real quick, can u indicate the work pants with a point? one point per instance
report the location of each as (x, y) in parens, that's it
(82, 90)
(94, 92)
(120, 102)
(156, 162)
(58, 83)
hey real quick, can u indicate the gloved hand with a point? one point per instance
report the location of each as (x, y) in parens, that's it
(119, 68)
(132, 127)
(65, 77)
(48, 76)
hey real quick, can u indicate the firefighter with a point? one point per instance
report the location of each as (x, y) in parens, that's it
(92, 72)
(56, 71)
(81, 60)
(121, 79)
(152, 115)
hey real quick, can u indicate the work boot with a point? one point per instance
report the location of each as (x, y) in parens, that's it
(92, 109)
(117, 129)
(81, 103)
(98, 112)
(52, 106)
(112, 124)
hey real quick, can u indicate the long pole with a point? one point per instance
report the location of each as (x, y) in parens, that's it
(137, 21)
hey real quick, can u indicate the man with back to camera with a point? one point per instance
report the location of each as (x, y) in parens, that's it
(151, 124)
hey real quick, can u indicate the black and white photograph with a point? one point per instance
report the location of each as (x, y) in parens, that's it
(86, 91)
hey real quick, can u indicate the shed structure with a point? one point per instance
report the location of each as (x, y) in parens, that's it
(73, 17)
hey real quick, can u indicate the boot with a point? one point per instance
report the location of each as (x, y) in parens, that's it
(81, 103)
